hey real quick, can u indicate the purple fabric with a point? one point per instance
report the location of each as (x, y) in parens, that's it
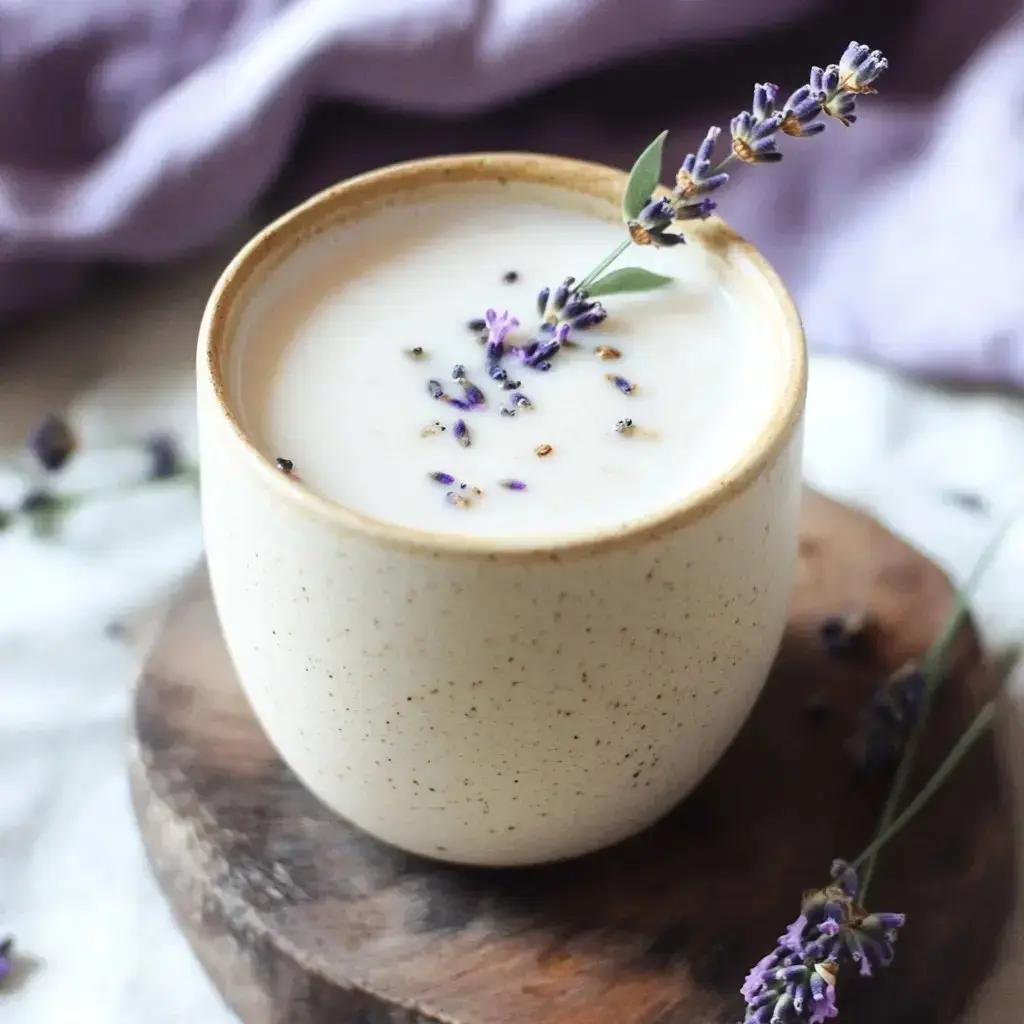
(138, 130)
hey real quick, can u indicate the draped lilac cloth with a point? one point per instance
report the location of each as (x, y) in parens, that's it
(139, 130)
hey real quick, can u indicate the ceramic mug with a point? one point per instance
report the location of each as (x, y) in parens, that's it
(482, 702)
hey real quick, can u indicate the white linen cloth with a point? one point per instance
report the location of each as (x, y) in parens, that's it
(74, 884)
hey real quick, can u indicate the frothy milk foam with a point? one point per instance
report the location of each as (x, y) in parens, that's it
(320, 372)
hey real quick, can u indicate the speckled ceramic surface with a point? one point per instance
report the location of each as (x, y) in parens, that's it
(484, 703)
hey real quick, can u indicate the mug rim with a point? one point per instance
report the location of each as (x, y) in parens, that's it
(305, 221)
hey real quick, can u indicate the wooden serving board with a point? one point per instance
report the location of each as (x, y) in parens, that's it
(300, 919)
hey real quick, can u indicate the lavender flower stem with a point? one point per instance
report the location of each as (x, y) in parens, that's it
(932, 668)
(970, 736)
(603, 266)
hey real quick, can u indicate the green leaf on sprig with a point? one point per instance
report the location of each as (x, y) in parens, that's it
(643, 179)
(627, 279)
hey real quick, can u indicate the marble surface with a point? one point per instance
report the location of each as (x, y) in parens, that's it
(98, 943)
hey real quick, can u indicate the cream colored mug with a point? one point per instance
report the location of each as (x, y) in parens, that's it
(485, 704)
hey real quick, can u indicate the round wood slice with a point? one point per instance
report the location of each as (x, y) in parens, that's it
(301, 919)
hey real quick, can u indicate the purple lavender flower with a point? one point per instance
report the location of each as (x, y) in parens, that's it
(499, 325)
(442, 478)
(164, 459)
(581, 312)
(889, 718)
(566, 305)
(625, 386)
(825, 84)
(472, 395)
(652, 222)
(52, 443)
(797, 980)
(753, 138)
(836, 101)
(512, 485)
(696, 177)
(6, 948)
(699, 209)
(801, 112)
(539, 354)
(859, 66)
(763, 106)
(461, 433)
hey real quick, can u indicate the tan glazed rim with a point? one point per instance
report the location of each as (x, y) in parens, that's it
(596, 181)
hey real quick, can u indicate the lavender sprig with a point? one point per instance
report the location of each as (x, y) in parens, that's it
(831, 91)
(797, 980)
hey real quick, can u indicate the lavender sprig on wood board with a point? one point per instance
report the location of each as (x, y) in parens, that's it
(798, 980)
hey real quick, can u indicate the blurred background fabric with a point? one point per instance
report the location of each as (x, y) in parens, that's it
(140, 130)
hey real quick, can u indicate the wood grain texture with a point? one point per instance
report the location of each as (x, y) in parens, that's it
(300, 919)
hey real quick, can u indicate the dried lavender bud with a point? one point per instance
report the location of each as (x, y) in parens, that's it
(543, 450)
(699, 209)
(843, 635)
(512, 485)
(519, 400)
(607, 352)
(508, 410)
(696, 177)
(461, 433)
(511, 277)
(651, 223)
(437, 427)
(285, 465)
(434, 389)
(561, 295)
(797, 980)
(541, 352)
(458, 372)
(52, 443)
(859, 66)
(888, 720)
(763, 105)
(625, 427)
(753, 139)
(477, 325)
(473, 395)
(510, 385)
(621, 383)
(442, 478)
(6, 956)
(164, 460)
(459, 500)
(801, 113)
(499, 326)
(582, 312)
(826, 84)
(597, 314)
(497, 372)
(542, 300)
(418, 352)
